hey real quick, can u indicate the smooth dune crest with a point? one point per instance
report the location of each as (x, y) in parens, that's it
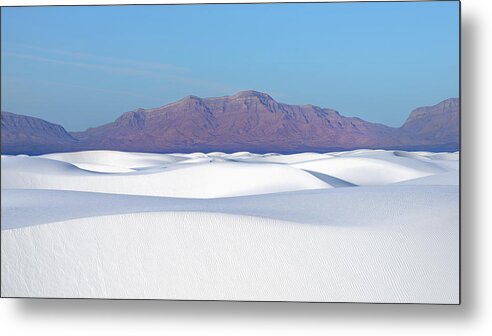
(214, 175)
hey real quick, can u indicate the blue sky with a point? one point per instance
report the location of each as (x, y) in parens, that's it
(84, 66)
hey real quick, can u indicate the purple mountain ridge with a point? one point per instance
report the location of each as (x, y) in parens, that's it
(23, 134)
(247, 121)
(440, 121)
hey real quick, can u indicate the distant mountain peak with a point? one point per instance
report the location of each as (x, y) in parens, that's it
(449, 105)
(190, 97)
(439, 121)
(246, 121)
(24, 134)
(238, 95)
(251, 93)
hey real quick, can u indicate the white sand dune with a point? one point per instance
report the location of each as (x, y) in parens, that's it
(194, 180)
(289, 159)
(365, 225)
(172, 255)
(448, 178)
(380, 206)
(117, 159)
(367, 171)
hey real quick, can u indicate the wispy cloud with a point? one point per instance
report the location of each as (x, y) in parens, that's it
(47, 82)
(98, 59)
(177, 75)
(101, 67)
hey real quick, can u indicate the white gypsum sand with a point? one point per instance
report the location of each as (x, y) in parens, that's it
(366, 225)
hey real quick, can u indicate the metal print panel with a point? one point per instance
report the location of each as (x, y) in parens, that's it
(258, 152)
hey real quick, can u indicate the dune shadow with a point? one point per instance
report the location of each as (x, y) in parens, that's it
(331, 180)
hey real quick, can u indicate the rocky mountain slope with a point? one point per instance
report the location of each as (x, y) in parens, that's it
(438, 122)
(247, 121)
(29, 135)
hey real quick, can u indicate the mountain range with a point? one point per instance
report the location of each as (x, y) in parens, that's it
(247, 121)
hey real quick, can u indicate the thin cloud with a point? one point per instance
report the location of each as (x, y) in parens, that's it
(78, 86)
(172, 73)
(112, 60)
(102, 67)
